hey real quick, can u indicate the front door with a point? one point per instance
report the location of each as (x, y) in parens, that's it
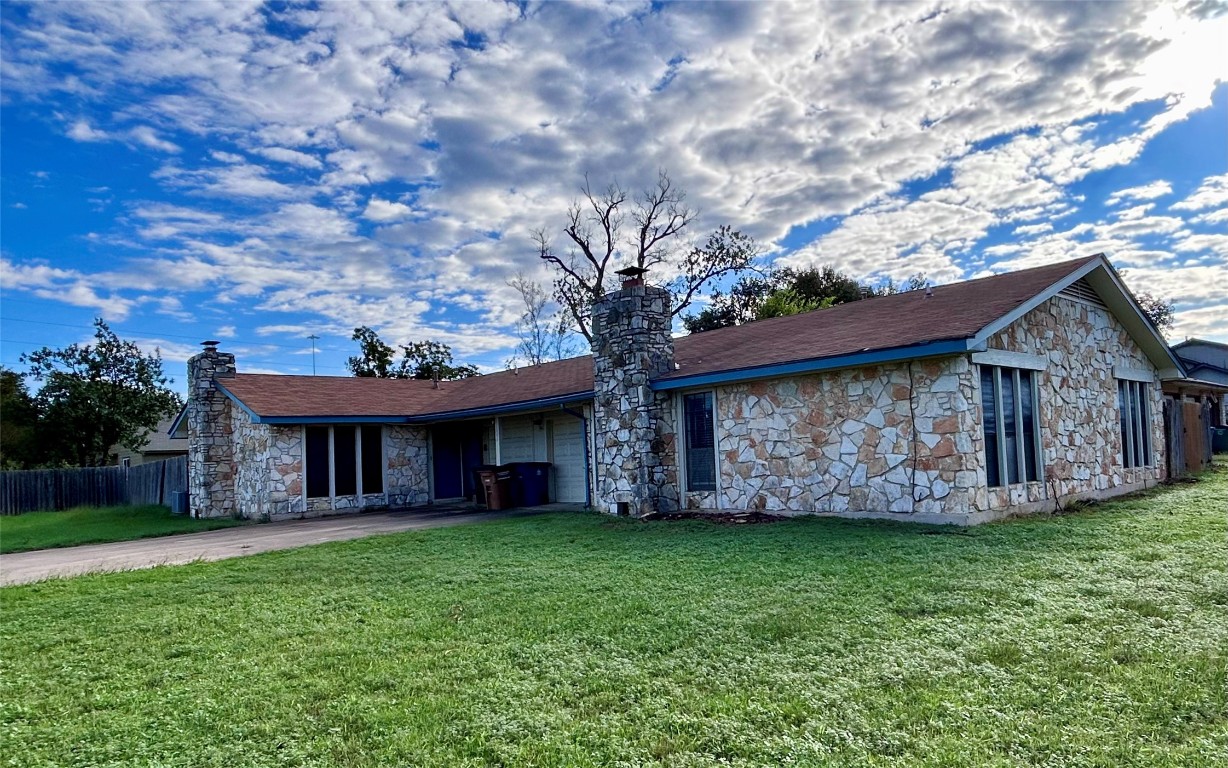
(456, 452)
(446, 456)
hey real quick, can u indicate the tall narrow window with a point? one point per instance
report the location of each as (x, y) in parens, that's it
(700, 442)
(1135, 413)
(317, 462)
(372, 459)
(1010, 424)
(345, 461)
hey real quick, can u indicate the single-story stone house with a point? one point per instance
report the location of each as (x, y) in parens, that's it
(957, 404)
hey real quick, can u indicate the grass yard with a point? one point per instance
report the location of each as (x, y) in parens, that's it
(94, 525)
(1094, 639)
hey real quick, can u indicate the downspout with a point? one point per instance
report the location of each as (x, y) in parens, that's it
(588, 475)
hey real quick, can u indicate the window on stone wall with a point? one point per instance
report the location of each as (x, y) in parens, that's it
(1010, 425)
(340, 476)
(317, 463)
(700, 442)
(1135, 410)
(372, 459)
(345, 461)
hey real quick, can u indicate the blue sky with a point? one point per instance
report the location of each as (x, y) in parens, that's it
(260, 173)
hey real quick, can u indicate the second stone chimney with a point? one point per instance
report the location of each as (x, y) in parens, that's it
(635, 445)
(211, 490)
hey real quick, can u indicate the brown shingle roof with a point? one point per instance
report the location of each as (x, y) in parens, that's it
(271, 395)
(955, 311)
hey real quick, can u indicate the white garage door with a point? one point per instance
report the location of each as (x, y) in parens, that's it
(567, 454)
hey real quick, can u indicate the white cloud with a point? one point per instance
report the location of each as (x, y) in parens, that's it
(146, 136)
(81, 131)
(1212, 193)
(1143, 192)
(291, 156)
(386, 210)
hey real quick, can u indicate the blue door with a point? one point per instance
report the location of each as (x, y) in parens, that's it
(446, 456)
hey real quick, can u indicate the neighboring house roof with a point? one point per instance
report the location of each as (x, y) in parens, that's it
(160, 441)
(1200, 343)
(951, 319)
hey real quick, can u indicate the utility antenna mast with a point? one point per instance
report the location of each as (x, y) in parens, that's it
(313, 338)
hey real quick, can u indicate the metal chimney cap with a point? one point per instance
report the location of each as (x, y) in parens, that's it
(631, 272)
(210, 344)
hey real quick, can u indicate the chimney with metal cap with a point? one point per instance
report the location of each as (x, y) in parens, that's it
(211, 489)
(632, 346)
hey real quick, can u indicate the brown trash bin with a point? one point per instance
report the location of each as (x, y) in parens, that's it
(495, 489)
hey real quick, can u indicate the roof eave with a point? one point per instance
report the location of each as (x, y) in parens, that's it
(497, 410)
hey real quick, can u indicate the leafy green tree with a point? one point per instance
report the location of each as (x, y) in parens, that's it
(787, 301)
(788, 291)
(96, 396)
(375, 359)
(419, 359)
(433, 360)
(19, 414)
(1157, 309)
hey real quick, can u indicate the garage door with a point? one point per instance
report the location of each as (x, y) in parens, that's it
(567, 454)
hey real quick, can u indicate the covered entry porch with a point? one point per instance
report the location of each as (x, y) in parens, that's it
(558, 435)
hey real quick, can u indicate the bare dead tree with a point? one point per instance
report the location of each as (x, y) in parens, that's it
(544, 335)
(658, 218)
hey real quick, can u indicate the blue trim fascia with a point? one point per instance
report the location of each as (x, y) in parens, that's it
(495, 410)
(875, 357)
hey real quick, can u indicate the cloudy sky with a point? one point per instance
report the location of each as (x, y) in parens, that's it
(260, 173)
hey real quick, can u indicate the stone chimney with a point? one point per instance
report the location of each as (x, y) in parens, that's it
(211, 468)
(635, 445)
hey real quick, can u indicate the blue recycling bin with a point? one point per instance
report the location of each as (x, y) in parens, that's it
(530, 485)
(1219, 439)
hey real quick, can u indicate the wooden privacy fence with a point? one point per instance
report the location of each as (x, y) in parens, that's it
(1187, 436)
(33, 490)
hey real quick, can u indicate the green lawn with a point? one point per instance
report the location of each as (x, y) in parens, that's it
(93, 525)
(1094, 639)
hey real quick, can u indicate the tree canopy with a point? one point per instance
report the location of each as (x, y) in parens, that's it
(419, 359)
(96, 396)
(610, 229)
(788, 291)
(544, 334)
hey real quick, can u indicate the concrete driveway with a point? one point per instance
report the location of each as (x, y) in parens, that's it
(26, 567)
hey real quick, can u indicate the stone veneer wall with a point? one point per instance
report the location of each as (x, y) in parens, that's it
(407, 481)
(633, 425)
(211, 461)
(843, 442)
(1080, 420)
(269, 469)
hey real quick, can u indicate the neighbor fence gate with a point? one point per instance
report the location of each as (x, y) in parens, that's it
(34, 490)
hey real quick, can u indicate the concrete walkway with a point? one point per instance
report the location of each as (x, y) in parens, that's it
(26, 567)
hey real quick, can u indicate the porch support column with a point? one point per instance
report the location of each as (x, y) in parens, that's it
(498, 441)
